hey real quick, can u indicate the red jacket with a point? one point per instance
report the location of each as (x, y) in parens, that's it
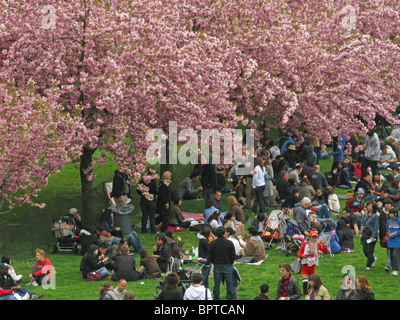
(5, 292)
(314, 259)
(45, 268)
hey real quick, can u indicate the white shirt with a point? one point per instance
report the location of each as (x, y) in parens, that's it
(258, 177)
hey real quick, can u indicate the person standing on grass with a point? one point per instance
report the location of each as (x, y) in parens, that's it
(197, 291)
(221, 253)
(370, 228)
(288, 287)
(148, 203)
(372, 151)
(308, 253)
(393, 231)
(164, 200)
(258, 184)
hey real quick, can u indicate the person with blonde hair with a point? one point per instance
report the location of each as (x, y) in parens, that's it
(236, 208)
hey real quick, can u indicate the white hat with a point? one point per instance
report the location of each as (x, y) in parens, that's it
(305, 200)
(72, 211)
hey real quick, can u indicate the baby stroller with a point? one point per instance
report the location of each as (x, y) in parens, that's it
(64, 229)
(272, 233)
(185, 277)
(291, 237)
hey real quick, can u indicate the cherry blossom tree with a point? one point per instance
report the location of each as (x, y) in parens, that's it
(129, 66)
(326, 65)
(37, 139)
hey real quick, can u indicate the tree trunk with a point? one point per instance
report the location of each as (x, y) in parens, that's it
(168, 166)
(88, 192)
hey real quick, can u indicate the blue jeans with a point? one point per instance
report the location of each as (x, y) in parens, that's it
(103, 272)
(207, 194)
(259, 201)
(389, 261)
(8, 297)
(134, 240)
(223, 271)
(205, 271)
(324, 214)
(369, 249)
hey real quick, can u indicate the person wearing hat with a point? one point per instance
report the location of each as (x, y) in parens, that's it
(289, 141)
(365, 183)
(308, 254)
(288, 287)
(356, 202)
(7, 282)
(73, 212)
(291, 156)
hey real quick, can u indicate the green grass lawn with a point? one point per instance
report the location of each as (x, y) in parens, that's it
(63, 192)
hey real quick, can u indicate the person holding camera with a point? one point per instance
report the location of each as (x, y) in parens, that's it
(369, 235)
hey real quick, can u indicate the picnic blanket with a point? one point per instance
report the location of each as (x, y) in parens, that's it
(194, 216)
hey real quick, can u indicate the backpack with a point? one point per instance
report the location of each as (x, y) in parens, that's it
(60, 229)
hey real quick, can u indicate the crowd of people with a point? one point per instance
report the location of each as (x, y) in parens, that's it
(287, 178)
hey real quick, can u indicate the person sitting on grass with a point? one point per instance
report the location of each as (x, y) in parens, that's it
(91, 263)
(163, 252)
(7, 283)
(148, 265)
(42, 270)
(254, 246)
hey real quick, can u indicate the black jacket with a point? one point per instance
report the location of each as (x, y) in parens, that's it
(7, 282)
(152, 185)
(221, 251)
(90, 263)
(124, 268)
(164, 253)
(164, 197)
(208, 176)
(120, 186)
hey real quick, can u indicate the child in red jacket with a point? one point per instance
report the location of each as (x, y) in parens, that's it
(308, 254)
